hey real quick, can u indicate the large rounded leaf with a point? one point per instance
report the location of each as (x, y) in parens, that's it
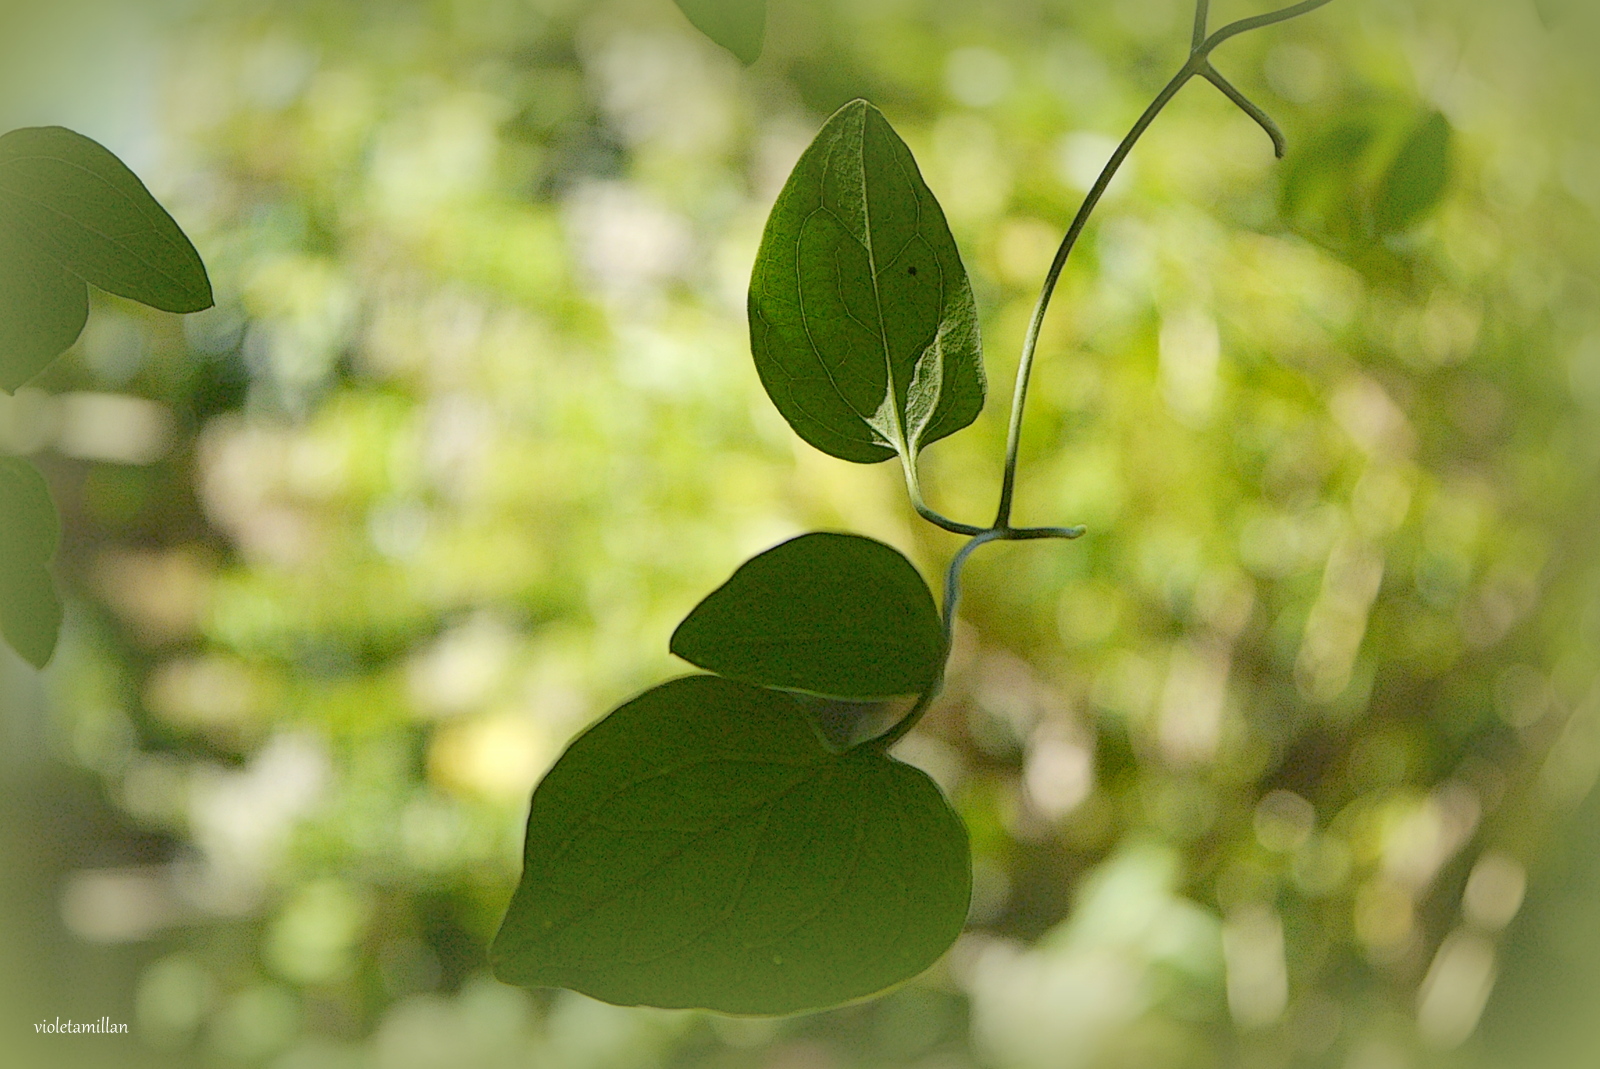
(81, 205)
(30, 532)
(701, 848)
(830, 614)
(862, 320)
(42, 307)
(740, 26)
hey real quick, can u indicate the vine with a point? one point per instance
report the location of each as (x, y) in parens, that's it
(703, 846)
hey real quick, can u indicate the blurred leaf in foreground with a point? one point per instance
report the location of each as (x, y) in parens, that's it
(42, 310)
(740, 26)
(81, 205)
(30, 533)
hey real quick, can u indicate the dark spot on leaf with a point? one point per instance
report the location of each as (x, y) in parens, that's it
(913, 271)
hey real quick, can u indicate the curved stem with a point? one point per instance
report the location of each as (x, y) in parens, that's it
(1199, 63)
(1280, 144)
(1271, 18)
(952, 597)
(914, 490)
(1030, 345)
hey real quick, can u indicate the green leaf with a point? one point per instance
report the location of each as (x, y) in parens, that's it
(830, 614)
(862, 320)
(700, 847)
(30, 530)
(84, 208)
(30, 611)
(1416, 181)
(30, 534)
(740, 26)
(42, 309)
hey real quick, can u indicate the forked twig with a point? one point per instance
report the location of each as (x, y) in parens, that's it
(1199, 63)
(1202, 45)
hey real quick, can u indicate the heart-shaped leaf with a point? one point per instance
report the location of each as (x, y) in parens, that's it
(830, 614)
(700, 847)
(740, 26)
(1417, 179)
(862, 320)
(30, 533)
(42, 308)
(80, 204)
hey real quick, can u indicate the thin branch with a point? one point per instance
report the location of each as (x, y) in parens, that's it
(1271, 18)
(952, 598)
(1280, 144)
(1202, 23)
(1030, 346)
(1035, 534)
(1199, 63)
(914, 490)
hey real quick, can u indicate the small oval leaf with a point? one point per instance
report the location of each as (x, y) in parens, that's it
(30, 534)
(835, 615)
(699, 847)
(82, 206)
(862, 321)
(42, 308)
(1416, 181)
(740, 26)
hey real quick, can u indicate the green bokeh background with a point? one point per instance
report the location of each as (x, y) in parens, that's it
(1256, 773)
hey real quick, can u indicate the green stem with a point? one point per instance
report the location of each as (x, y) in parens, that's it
(1271, 18)
(952, 597)
(1199, 63)
(1280, 144)
(1030, 345)
(914, 490)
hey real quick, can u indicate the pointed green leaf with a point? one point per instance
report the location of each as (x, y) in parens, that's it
(836, 615)
(42, 309)
(30, 533)
(740, 26)
(81, 205)
(1417, 179)
(700, 847)
(862, 320)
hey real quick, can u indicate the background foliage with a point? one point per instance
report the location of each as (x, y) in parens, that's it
(1256, 773)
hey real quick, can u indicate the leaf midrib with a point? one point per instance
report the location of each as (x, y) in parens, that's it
(896, 418)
